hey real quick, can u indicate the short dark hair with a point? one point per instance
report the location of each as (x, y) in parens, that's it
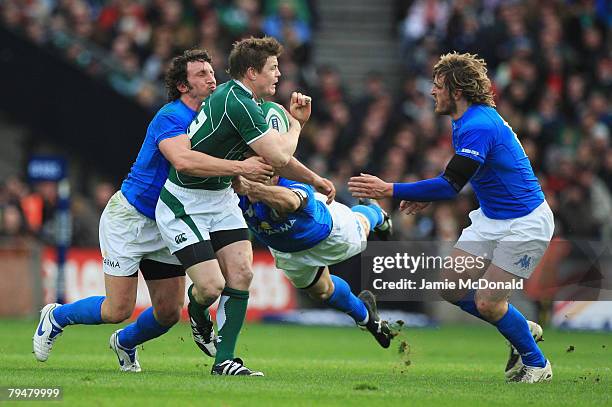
(177, 72)
(252, 52)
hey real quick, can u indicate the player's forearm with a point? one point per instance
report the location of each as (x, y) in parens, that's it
(434, 189)
(203, 165)
(290, 141)
(297, 171)
(279, 198)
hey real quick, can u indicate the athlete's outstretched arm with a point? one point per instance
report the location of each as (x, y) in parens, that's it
(178, 151)
(446, 186)
(297, 171)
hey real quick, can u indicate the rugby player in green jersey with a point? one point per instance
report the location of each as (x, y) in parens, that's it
(199, 218)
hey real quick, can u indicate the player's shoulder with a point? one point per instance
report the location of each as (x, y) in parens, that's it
(284, 182)
(238, 94)
(482, 118)
(174, 111)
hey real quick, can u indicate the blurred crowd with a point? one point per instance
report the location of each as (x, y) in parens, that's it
(550, 62)
(130, 42)
(30, 212)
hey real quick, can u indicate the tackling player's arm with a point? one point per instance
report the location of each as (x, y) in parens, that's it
(297, 171)
(446, 186)
(178, 151)
(282, 199)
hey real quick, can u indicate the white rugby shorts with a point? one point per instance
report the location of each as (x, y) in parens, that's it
(514, 245)
(347, 238)
(127, 237)
(186, 216)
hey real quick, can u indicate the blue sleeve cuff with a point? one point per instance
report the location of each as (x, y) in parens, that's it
(434, 189)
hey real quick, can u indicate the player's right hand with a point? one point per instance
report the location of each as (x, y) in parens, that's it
(256, 169)
(412, 208)
(325, 187)
(300, 107)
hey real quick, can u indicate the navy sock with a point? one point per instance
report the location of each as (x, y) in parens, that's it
(344, 300)
(372, 212)
(515, 329)
(145, 328)
(87, 311)
(468, 305)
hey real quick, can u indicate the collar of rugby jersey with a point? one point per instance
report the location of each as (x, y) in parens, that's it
(243, 86)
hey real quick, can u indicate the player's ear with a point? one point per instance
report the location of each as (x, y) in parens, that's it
(182, 87)
(457, 94)
(251, 73)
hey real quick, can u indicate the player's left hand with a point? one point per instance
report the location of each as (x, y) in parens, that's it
(300, 107)
(369, 186)
(412, 208)
(325, 187)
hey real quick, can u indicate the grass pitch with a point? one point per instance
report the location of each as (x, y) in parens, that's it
(305, 366)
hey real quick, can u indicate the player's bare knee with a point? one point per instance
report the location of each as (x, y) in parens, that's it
(489, 309)
(209, 293)
(117, 313)
(207, 288)
(321, 291)
(168, 315)
(240, 276)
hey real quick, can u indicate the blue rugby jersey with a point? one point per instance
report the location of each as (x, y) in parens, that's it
(294, 232)
(505, 184)
(150, 170)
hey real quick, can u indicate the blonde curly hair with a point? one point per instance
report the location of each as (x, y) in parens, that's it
(467, 73)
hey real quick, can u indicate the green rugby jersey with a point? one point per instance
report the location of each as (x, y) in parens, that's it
(228, 121)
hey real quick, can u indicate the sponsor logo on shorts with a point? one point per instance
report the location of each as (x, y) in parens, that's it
(111, 263)
(524, 262)
(180, 238)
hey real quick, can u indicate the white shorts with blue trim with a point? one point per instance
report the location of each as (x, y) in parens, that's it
(186, 216)
(346, 239)
(127, 237)
(514, 245)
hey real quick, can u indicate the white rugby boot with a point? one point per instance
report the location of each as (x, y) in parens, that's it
(128, 358)
(515, 363)
(46, 333)
(532, 374)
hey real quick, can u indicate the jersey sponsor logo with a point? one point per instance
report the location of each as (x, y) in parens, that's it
(524, 262)
(180, 238)
(468, 151)
(111, 263)
(267, 229)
